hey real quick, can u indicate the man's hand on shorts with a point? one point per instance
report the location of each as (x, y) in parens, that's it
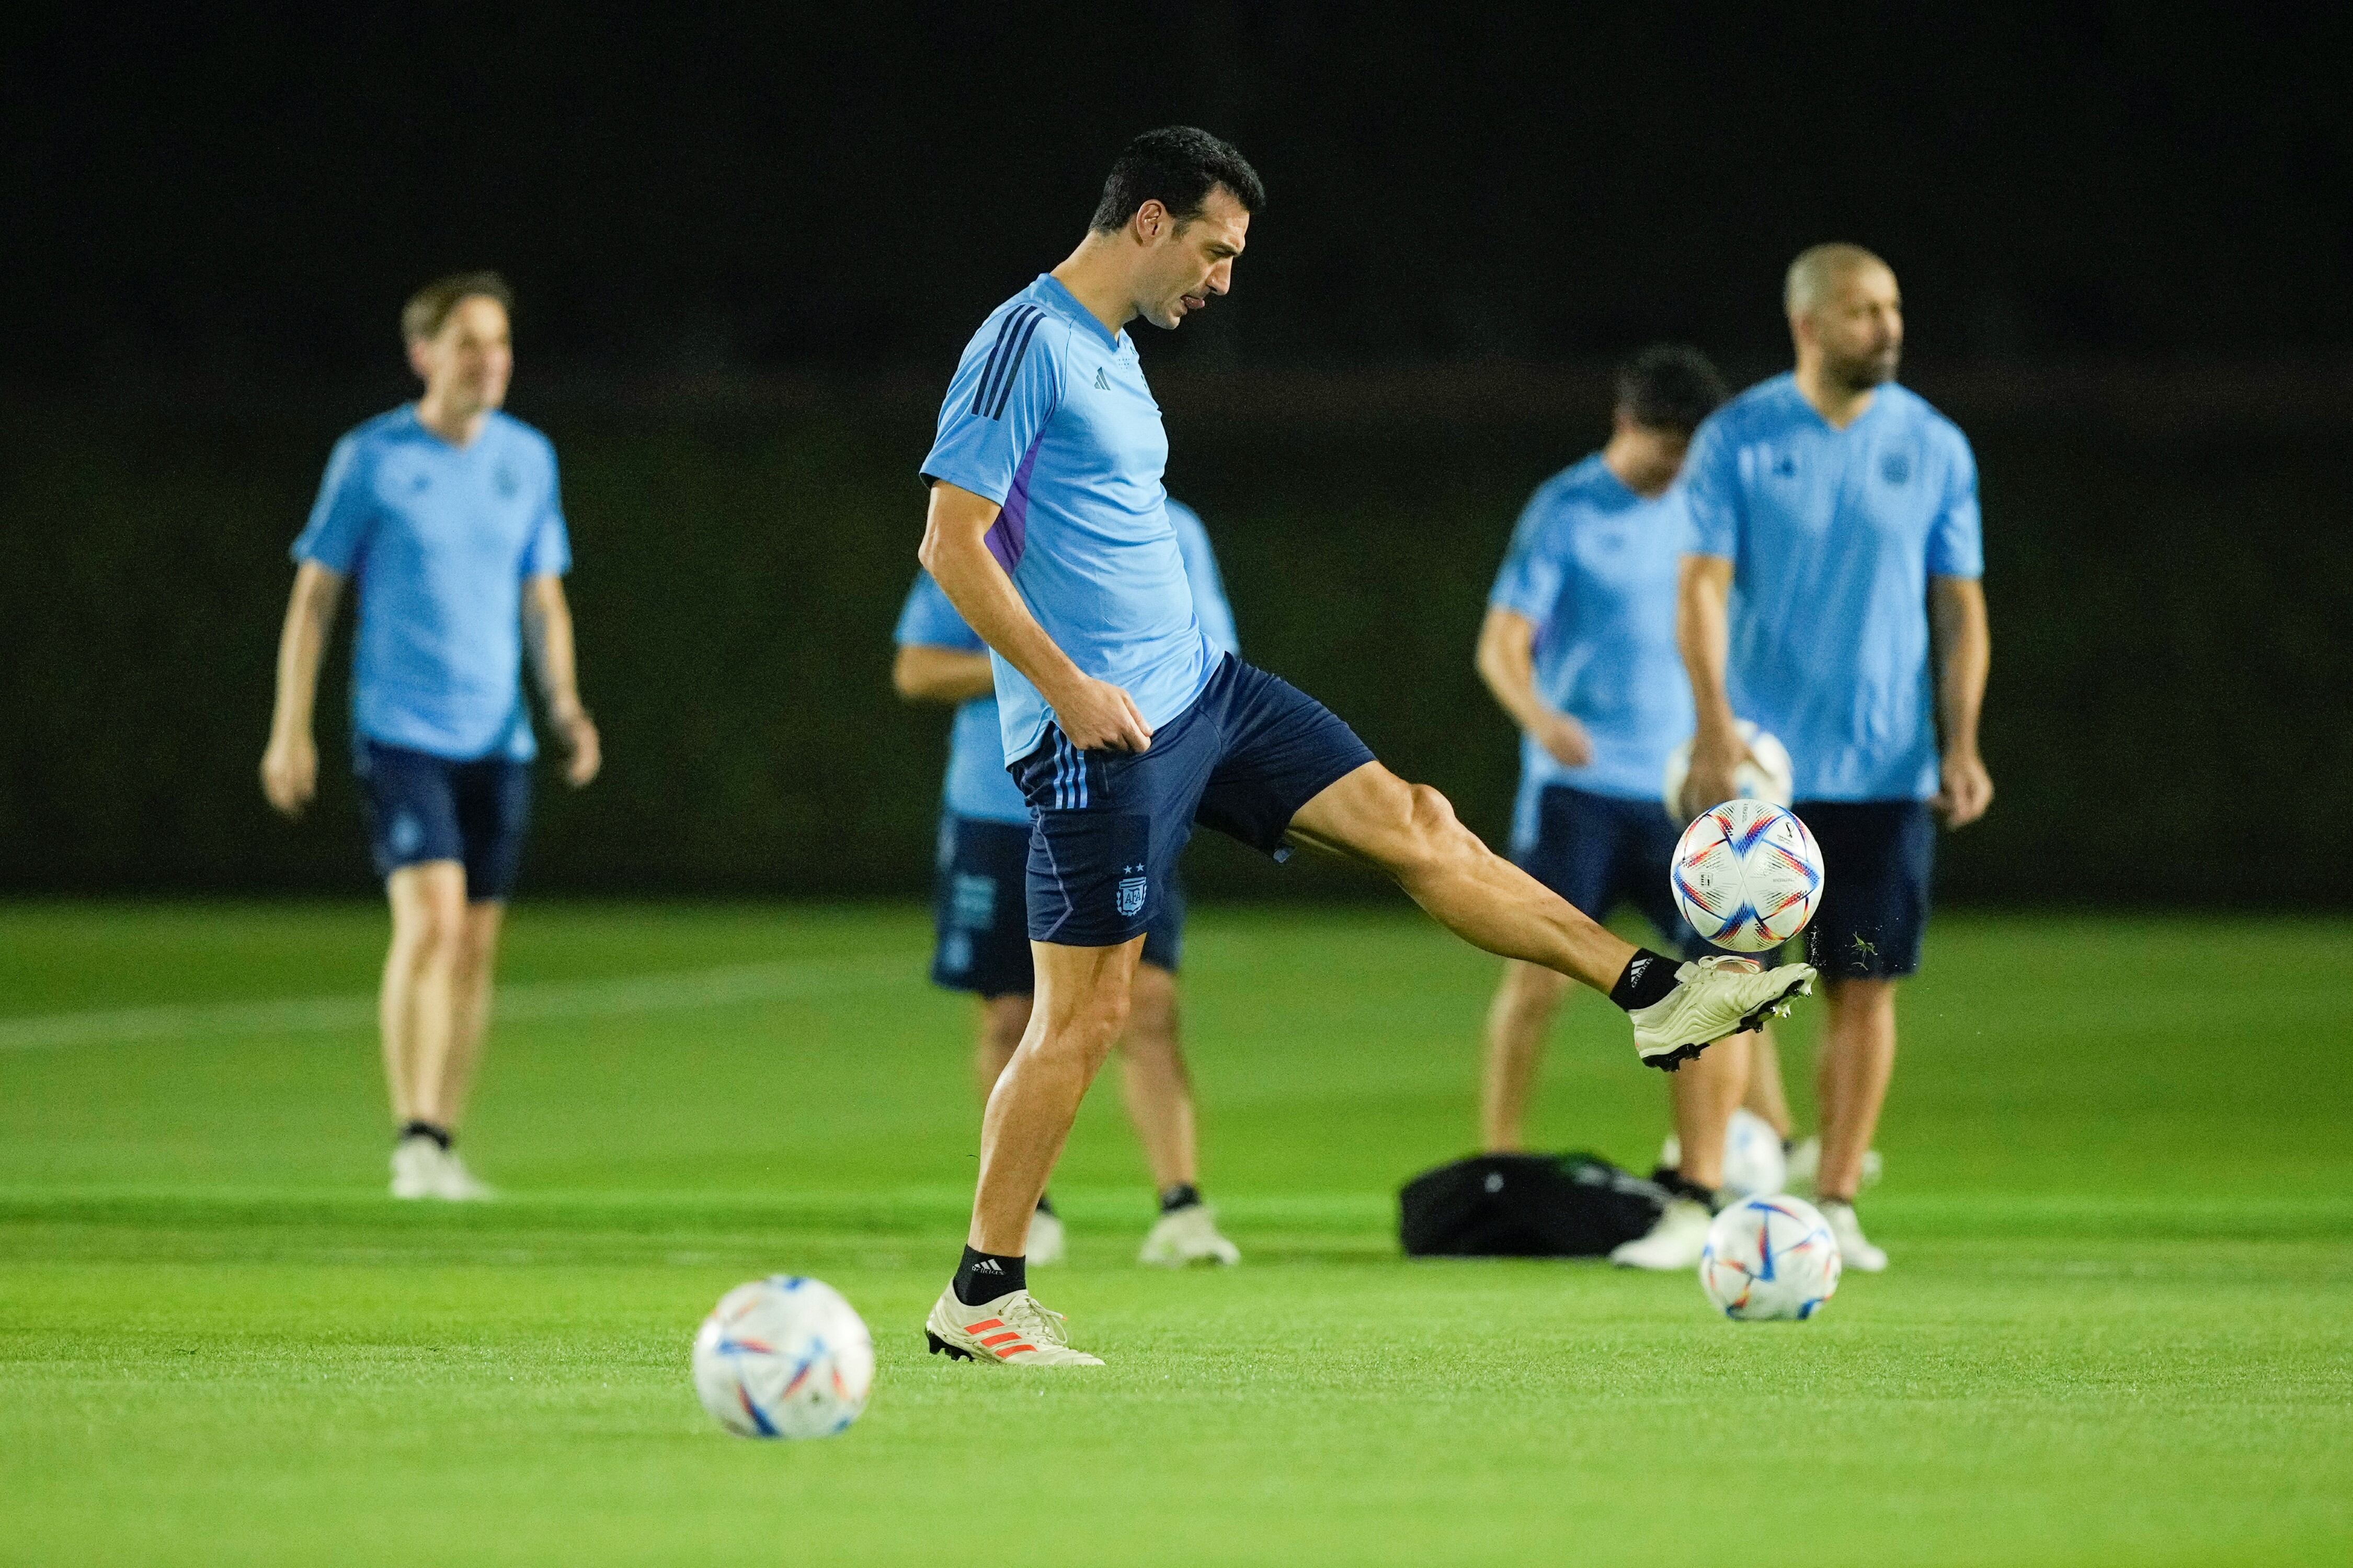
(1564, 739)
(1096, 716)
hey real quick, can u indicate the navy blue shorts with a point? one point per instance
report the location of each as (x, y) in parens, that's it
(421, 807)
(1876, 859)
(1108, 825)
(980, 910)
(1600, 850)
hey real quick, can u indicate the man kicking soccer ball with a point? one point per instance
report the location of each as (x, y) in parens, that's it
(1578, 647)
(1049, 530)
(982, 898)
(1844, 509)
(446, 511)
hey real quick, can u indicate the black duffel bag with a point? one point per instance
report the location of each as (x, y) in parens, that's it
(1526, 1205)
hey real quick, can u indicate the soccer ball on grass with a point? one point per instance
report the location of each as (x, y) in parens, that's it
(784, 1357)
(1770, 1258)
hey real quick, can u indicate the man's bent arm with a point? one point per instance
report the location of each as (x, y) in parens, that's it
(290, 766)
(1094, 715)
(922, 672)
(1963, 643)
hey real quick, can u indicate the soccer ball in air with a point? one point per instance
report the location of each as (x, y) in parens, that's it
(1770, 1258)
(1769, 777)
(1754, 1164)
(784, 1357)
(1746, 875)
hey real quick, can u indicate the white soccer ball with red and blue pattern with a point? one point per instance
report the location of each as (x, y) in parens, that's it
(1770, 1258)
(1748, 875)
(784, 1357)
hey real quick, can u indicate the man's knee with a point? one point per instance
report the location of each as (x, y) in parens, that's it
(429, 926)
(1530, 993)
(1426, 832)
(1846, 994)
(1151, 1013)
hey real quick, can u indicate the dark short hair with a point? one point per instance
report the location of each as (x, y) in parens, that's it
(429, 308)
(1669, 387)
(1177, 166)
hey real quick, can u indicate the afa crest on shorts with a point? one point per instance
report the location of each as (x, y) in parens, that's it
(1131, 895)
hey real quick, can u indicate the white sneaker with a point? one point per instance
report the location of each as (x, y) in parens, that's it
(415, 1168)
(1854, 1251)
(1673, 1244)
(1184, 1235)
(1806, 1162)
(1012, 1330)
(1047, 1243)
(1713, 997)
(457, 1184)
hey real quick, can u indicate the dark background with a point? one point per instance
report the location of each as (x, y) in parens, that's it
(749, 241)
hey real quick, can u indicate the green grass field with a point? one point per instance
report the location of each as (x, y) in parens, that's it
(2118, 1328)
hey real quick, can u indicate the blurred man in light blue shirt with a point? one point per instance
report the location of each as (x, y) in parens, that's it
(980, 913)
(1578, 647)
(445, 514)
(1832, 596)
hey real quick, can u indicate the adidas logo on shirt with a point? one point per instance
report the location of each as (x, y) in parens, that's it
(1103, 382)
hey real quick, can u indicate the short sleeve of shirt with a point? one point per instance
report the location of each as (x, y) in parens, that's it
(1711, 494)
(1529, 583)
(1956, 538)
(1004, 392)
(340, 517)
(929, 619)
(549, 553)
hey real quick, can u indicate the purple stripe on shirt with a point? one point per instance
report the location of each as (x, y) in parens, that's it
(1010, 532)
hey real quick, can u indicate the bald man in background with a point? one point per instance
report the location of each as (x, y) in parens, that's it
(1832, 595)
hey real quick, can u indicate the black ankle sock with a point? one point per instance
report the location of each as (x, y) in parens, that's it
(1649, 976)
(1045, 1203)
(1673, 1180)
(1183, 1195)
(985, 1275)
(440, 1135)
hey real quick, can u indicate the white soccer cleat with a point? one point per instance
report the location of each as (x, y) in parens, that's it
(1854, 1248)
(1187, 1236)
(457, 1184)
(1674, 1244)
(1714, 997)
(415, 1168)
(1011, 1330)
(1805, 1162)
(1047, 1243)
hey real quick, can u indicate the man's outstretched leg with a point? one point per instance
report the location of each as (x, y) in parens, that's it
(1079, 1013)
(1409, 832)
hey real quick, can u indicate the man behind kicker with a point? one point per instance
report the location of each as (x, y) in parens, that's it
(1047, 529)
(1832, 595)
(1578, 647)
(446, 512)
(982, 903)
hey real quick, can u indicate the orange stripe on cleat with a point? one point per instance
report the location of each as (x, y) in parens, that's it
(984, 1323)
(1000, 1338)
(1015, 1349)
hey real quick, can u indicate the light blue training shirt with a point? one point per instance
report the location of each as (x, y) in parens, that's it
(978, 784)
(1833, 536)
(441, 539)
(1049, 416)
(1594, 566)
